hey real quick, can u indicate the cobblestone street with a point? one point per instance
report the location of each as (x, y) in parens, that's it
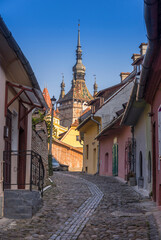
(80, 206)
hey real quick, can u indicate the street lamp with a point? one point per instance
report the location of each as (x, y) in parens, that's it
(53, 101)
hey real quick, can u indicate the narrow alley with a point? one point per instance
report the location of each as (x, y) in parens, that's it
(81, 206)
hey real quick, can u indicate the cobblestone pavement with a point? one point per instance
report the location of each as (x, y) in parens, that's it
(86, 207)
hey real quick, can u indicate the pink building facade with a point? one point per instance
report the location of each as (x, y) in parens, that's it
(113, 159)
(156, 121)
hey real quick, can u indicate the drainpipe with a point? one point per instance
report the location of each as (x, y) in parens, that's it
(151, 20)
(133, 167)
(99, 127)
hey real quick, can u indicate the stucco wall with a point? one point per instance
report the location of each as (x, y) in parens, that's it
(106, 143)
(70, 138)
(90, 164)
(2, 124)
(67, 155)
(155, 106)
(142, 134)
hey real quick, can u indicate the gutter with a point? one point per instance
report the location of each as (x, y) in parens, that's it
(151, 20)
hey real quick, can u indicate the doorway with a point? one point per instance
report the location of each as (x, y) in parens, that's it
(21, 177)
(106, 163)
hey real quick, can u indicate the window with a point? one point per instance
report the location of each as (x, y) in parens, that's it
(141, 163)
(149, 167)
(87, 151)
(77, 138)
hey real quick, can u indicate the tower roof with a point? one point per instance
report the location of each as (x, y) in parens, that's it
(78, 89)
(47, 97)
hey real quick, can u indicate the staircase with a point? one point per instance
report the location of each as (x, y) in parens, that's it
(19, 204)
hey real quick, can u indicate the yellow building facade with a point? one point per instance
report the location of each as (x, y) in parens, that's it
(90, 128)
(71, 137)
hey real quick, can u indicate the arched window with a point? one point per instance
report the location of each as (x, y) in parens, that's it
(149, 167)
(106, 162)
(141, 163)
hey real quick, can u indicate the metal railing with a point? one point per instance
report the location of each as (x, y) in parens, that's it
(23, 170)
(130, 155)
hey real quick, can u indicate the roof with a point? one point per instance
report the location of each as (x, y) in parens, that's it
(109, 90)
(75, 124)
(61, 135)
(47, 97)
(83, 122)
(133, 109)
(79, 91)
(117, 91)
(138, 61)
(68, 146)
(114, 124)
(85, 111)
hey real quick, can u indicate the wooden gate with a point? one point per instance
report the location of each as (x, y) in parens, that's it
(115, 160)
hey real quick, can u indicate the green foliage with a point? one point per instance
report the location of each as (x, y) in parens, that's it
(48, 124)
(37, 118)
(50, 165)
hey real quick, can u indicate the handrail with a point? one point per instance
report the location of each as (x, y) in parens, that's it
(37, 171)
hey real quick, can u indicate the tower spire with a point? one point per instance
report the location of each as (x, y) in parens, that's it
(78, 45)
(78, 68)
(62, 85)
(95, 86)
(78, 51)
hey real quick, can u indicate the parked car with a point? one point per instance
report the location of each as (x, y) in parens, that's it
(57, 166)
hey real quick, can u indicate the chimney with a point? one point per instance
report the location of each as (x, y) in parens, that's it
(124, 75)
(143, 48)
(135, 56)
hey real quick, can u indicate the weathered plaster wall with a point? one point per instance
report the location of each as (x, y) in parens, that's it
(70, 138)
(142, 134)
(67, 155)
(106, 144)
(155, 106)
(90, 164)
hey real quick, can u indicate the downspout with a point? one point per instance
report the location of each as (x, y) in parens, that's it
(99, 127)
(151, 20)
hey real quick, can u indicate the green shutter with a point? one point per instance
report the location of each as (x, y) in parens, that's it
(115, 160)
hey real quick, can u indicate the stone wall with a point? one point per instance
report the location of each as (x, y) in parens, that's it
(67, 155)
(40, 143)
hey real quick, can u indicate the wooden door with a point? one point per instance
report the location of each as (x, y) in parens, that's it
(7, 155)
(21, 178)
(115, 160)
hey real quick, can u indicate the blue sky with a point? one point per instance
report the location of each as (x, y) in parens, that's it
(46, 31)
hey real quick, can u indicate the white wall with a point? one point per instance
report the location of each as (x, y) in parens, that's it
(2, 123)
(142, 134)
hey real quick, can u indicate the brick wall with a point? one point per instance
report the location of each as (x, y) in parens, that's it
(40, 144)
(67, 155)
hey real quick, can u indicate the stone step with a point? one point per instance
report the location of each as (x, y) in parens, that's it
(20, 204)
